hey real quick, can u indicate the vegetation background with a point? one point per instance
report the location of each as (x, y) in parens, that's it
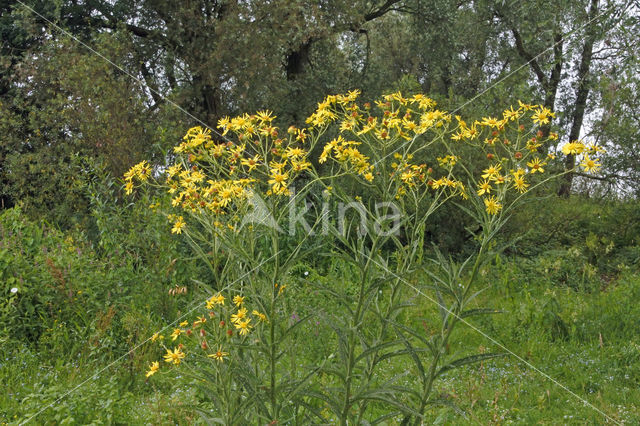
(89, 88)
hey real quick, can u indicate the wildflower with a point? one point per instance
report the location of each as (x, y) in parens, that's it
(238, 300)
(575, 147)
(219, 355)
(590, 165)
(128, 188)
(178, 225)
(278, 181)
(520, 184)
(243, 326)
(492, 205)
(265, 116)
(200, 320)
(299, 166)
(543, 116)
(156, 336)
(215, 300)
(174, 356)
(525, 107)
(262, 317)
(184, 323)
(292, 152)
(511, 114)
(176, 333)
(484, 187)
(251, 163)
(239, 316)
(492, 172)
(491, 122)
(153, 368)
(536, 165)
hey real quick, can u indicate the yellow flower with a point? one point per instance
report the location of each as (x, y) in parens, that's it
(128, 188)
(156, 336)
(174, 356)
(574, 147)
(511, 114)
(590, 165)
(299, 166)
(491, 122)
(200, 320)
(543, 115)
(219, 355)
(484, 187)
(278, 181)
(153, 368)
(251, 163)
(184, 323)
(536, 165)
(262, 317)
(519, 183)
(238, 300)
(239, 316)
(178, 225)
(594, 149)
(176, 333)
(292, 152)
(243, 326)
(525, 107)
(265, 116)
(492, 172)
(492, 205)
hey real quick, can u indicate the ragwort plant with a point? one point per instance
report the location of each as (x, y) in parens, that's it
(236, 202)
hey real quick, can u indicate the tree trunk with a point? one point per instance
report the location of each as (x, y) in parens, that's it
(582, 93)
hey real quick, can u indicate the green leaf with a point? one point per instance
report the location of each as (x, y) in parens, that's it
(480, 311)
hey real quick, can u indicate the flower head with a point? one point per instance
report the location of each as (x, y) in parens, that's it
(219, 355)
(153, 368)
(492, 205)
(174, 356)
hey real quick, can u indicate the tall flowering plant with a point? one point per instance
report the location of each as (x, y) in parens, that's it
(383, 170)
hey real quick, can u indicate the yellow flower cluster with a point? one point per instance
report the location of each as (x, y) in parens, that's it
(218, 176)
(402, 118)
(212, 326)
(510, 159)
(347, 153)
(141, 171)
(588, 163)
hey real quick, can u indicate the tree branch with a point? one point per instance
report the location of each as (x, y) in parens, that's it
(381, 10)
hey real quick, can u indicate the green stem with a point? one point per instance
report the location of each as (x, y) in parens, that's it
(272, 343)
(454, 317)
(356, 320)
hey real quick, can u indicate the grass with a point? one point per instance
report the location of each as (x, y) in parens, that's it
(595, 354)
(570, 310)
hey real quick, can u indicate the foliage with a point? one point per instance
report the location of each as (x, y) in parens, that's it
(213, 185)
